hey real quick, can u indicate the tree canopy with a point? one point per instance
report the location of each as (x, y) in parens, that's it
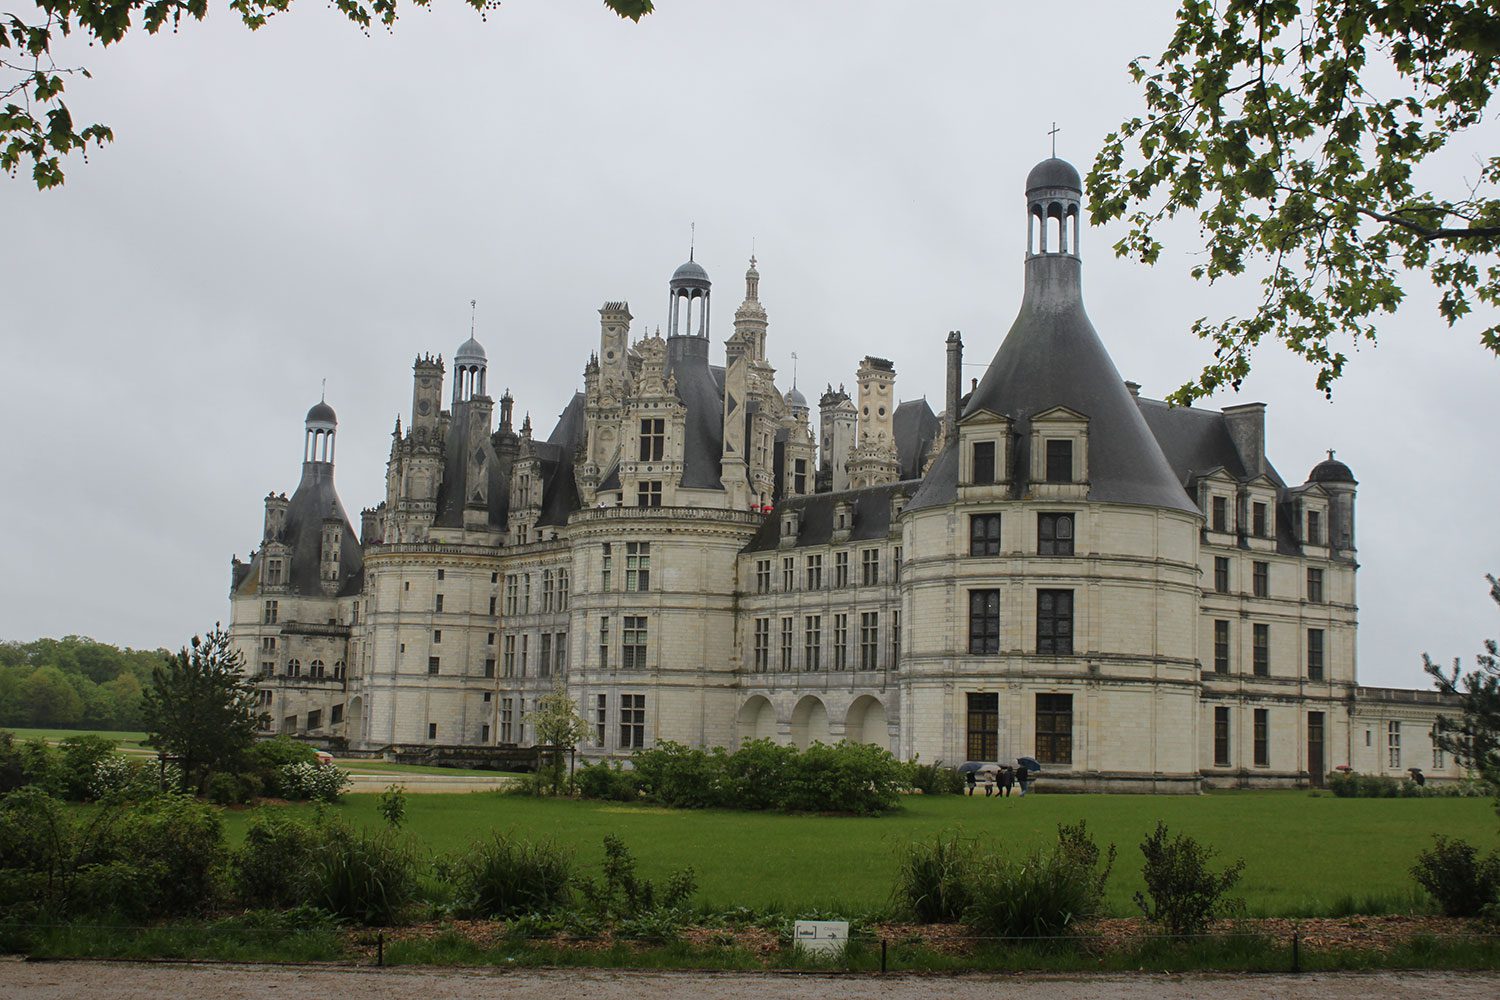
(1292, 132)
(1474, 737)
(36, 124)
(200, 707)
(73, 682)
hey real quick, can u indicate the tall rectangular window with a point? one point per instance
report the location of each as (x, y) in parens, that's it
(786, 644)
(1258, 521)
(983, 456)
(788, 574)
(896, 564)
(637, 566)
(525, 652)
(869, 640)
(1054, 728)
(895, 639)
(508, 657)
(984, 534)
(815, 572)
(526, 594)
(1314, 654)
(1260, 578)
(1221, 574)
(1054, 622)
(562, 590)
(1393, 744)
(840, 570)
(983, 726)
(653, 439)
(606, 564)
(799, 476)
(432, 664)
(547, 591)
(272, 612)
(437, 604)
(632, 721)
(507, 720)
(560, 652)
(1438, 763)
(1314, 527)
(812, 647)
(841, 642)
(869, 565)
(1262, 737)
(1219, 519)
(1221, 646)
(1261, 648)
(1221, 738)
(762, 649)
(544, 660)
(1059, 460)
(604, 642)
(1315, 585)
(633, 642)
(601, 718)
(762, 576)
(1054, 535)
(984, 621)
(648, 493)
(512, 594)
(489, 667)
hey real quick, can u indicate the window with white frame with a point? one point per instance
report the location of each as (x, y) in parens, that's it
(815, 572)
(632, 721)
(762, 576)
(633, 642)
(869, 640)
(786, 644)
(1393, 743)
(637, 566)
(813, 643)
(841, 642)
(762, 649)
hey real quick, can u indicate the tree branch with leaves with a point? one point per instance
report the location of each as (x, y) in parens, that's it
(36, 124)
(1474, 737)
(1292, 132)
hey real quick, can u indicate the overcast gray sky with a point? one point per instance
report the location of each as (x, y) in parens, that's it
(306, 203)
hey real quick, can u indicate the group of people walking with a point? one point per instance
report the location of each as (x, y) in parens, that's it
(999, 781)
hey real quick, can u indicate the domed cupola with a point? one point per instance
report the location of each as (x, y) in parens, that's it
(469, 365)
(322, 423)
(1054, 199)
(1331, 470)
(689, 288)
(795, 400)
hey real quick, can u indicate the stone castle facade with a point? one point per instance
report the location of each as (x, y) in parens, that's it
(1052, 566)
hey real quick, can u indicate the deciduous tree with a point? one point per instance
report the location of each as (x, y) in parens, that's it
(1292, 132)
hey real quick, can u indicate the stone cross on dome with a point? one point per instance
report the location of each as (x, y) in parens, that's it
(1053, 134)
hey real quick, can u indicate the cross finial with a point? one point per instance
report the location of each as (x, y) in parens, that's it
(323, 398)
(794, 369)
(473, 312)
(1053, 134)
(692, 239)
(1330, 454)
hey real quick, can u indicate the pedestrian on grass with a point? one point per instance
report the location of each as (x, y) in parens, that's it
(1023, 778)
(989, 783)
(1007, 780)
(969, 780)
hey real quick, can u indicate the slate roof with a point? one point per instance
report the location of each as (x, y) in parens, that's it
(916, 428)
(302, 532)
(455, 488)
(700, 392)
(1053, 357)
(871, 516)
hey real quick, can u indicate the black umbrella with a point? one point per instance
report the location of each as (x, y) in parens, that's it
(1029, 763)
(970, 765)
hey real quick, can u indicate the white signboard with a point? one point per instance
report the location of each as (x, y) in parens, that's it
(821, 937)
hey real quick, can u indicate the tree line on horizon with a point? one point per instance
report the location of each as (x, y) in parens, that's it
(74, 682)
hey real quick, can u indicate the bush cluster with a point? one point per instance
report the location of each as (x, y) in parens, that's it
(1353, 785)
(1182, 892)
(1038, 893)
(934, 779)
(1462, 883)
(314, 782)
(762, 775)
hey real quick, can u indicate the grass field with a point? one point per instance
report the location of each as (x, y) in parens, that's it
(127, 741)
(1304, 855)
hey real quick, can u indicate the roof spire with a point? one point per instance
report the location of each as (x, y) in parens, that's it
(473, 314)
(323, 398)
(1053, 134)
(692, 239)
(794, 369)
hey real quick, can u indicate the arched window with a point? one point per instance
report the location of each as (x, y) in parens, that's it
(294, 668)
(338, 670)
(315, 670)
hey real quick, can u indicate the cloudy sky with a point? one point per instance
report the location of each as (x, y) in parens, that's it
(306, 203)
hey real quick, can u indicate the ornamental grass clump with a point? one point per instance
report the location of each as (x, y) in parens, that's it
(933, 880)
(505, 876)
(1040, 894)
(368, 878)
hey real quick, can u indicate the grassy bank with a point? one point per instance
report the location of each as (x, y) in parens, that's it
(1305, 855)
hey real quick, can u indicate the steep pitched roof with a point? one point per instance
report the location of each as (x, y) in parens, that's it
(302, 532)
(870, 509)
(916, 427)
(687, 358)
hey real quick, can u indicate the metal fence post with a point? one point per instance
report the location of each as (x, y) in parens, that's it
(380, 949)
(882, 954)
(1296, 949)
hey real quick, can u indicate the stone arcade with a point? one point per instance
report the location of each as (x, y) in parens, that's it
(1052, 566)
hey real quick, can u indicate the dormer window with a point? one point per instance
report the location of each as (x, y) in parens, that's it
(983, 467)
(1219, 513)
(1314, 527)
(1258, 520)
(648, 494)
(653, 440)
(1059, 460)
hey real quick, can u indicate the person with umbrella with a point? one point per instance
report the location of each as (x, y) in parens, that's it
(1007, 780)
(1025, 767)
(970, 769)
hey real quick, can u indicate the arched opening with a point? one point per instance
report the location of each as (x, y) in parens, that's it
(1056, 233)
(809, 723)
(356, 719)
(866, 722)
(1073, 218)
(757, 720)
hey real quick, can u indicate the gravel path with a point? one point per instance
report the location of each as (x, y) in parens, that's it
(20, 980)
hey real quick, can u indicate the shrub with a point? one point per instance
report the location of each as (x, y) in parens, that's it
(178, 844)
(848, 777)
(267, 757)
(78, 762)
(1353, 785)
(756, 773)
(934, 778)
(1461, 882)
(603, 781)
(623, 896)
(392, 806)
(227, 789)
(1041, 893)
(35, 764)
(1181, 892)
(317, 782)
(506, 877)
(270, 868)
(932, 882)
(365, 877)
(114, 776)
(676, 775)
(1079, 848)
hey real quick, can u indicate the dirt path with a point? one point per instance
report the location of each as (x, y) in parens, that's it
(20, 980)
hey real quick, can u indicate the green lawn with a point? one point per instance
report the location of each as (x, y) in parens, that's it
(126, 740)
(1303, 853)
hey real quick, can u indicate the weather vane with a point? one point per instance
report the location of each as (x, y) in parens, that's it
(1053, 134)
(794, 369)
(473, 312)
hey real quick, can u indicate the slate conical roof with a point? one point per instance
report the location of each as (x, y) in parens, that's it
(1053, 357)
